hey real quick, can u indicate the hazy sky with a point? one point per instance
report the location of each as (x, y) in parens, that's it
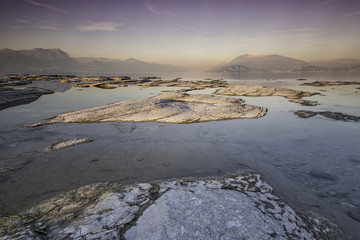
(184, 32)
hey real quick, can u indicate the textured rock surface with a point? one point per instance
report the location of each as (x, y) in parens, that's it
(332, 115)
(235, 207)
(305, 102)
(259, 91)
(330, 83)
(170, 108)
(69, 143)
(10, 97)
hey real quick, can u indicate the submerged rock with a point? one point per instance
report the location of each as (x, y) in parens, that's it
(332, 115)
(305, 102)
(10, 97)
(169, 108)
(234, 207)
(259, 91)
(69, 143)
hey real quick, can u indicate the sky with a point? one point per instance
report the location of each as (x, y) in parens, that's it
(184, 32)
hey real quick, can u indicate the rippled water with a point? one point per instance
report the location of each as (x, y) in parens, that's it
(313, 164)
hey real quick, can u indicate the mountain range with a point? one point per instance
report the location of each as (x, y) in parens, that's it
(56, 60)
(253, 62)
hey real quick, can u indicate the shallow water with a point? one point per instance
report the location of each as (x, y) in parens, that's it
(313, 164)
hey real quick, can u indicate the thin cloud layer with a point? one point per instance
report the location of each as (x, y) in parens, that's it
(151, 8)
(99, 26)
(47, 6)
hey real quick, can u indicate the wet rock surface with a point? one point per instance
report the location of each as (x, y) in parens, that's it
(69, 143)
(259, 91)
(303, 102)
(330, 83)
(10, 97)
(169, 108)
(331, 115)
(238, 206)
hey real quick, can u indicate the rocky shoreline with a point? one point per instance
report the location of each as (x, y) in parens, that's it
(174, 209)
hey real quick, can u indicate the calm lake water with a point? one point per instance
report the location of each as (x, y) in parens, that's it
(281, 146)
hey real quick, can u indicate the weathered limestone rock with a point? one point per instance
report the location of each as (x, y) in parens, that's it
(68, 143)
(10, 97)
(259, 91)
(332, 115)
(234, 207)
(183, 83)
(330, 83)
(169, 108)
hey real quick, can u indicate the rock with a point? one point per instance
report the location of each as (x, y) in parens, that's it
(305, 102)
(323, 175)
(259, 91)
(106, 85)
(169, 108)
(10, 97)
(332, 115)
(233, 207)
(69, 143)
(301, 79)
(330, 83)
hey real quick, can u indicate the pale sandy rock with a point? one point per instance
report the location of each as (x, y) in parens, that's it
(69, 143)
(169, 108)
(259, 91)
(232, 207)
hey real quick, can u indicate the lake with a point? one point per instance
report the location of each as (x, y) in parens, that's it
(312, 164)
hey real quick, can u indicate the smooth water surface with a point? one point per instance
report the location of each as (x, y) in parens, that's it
(313, 164)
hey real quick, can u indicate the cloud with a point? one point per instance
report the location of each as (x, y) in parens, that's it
(158, 12)
(47, 6)
(34, 23)
(352, 14)
(328, 2)
(190, 28)
(99, 26)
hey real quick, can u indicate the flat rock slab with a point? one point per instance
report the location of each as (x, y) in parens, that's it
(168, 108)
(259, 91)
(233, 207)
(10, 97)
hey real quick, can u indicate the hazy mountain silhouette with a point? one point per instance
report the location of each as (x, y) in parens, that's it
(56, 60)
(126, 66)
(36, 59)
(260, 63)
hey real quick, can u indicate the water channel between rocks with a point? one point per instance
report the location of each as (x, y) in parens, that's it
(313, 164)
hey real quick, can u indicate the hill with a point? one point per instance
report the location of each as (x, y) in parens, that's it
(260, 63)
(36, 59)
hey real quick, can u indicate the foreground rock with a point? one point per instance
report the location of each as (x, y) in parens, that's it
(330, 83)
(168, 108)
(69, 143)
(332, 115)
(235, 207)
(10, 97)
(259, 91)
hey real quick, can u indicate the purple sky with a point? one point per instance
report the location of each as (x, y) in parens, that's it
(186, 32)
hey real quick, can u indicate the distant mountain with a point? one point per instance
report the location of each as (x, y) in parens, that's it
(260, 63)
(338, 63)
(126, 66)
(36, 59)
(56, 60)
